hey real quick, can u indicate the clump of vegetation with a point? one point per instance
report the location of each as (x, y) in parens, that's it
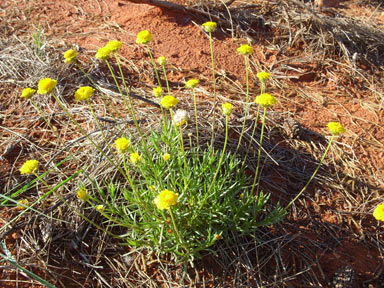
(170, 193)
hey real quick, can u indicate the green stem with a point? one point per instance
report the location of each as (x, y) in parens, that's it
(132, 184)
(195, 107)
(47, 121)
(184, 157)
(128, 103)
(222, 155)
(214, 86)
(166, 79)
(253, 133)
(181, 240)
(246, 104)
(103, 95)
(259, 152)
(154, 65)
(313, 175)
(74, 210)
(101, 129)
(86, 134)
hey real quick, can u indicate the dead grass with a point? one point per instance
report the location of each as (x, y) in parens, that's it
(270, 258)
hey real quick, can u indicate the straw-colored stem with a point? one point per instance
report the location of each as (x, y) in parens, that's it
(313, 175)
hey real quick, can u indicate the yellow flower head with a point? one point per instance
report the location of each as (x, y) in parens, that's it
(143, 37)
(27, 93)
(180, 118)
(114, 45)
(122, 144)
(24, 202)
(100, 208)
(245, 50)
(161, 60)
(209, 26)
(103, 53)
(158, 91)
(265, 100)
(263, 76)
(70, 56)
(166, 156)
(82, 194)
(336, 128)
(227, 109)
(168, 102)
(46, 86)
(166, 199)
(29, 167)
(84, 93)
(378, 213)
(135, 158)
(192, 83)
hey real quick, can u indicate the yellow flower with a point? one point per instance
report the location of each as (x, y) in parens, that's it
(192, 83)
(82, 195)
(152, 188)
(158, 91)
(143, 37)
(168, 102)
(103, 53)
(100, 208)
(265, 100)
(29, 167)
(263, 76)
(209, 26)
(166, 156)
(27, 93)
(378, 213)
(70, 56)
(166, 199)
(336, 128)
(227, 108)
(46, 86)
(161, 60)
(180, 118)
(245, 50)
(122, 144)
(24, 202)
(84, 93)
(135, 158)
(114, 45)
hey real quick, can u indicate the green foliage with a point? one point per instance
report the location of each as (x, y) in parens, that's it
(39, 41)
(202, 215)
(185, 202)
